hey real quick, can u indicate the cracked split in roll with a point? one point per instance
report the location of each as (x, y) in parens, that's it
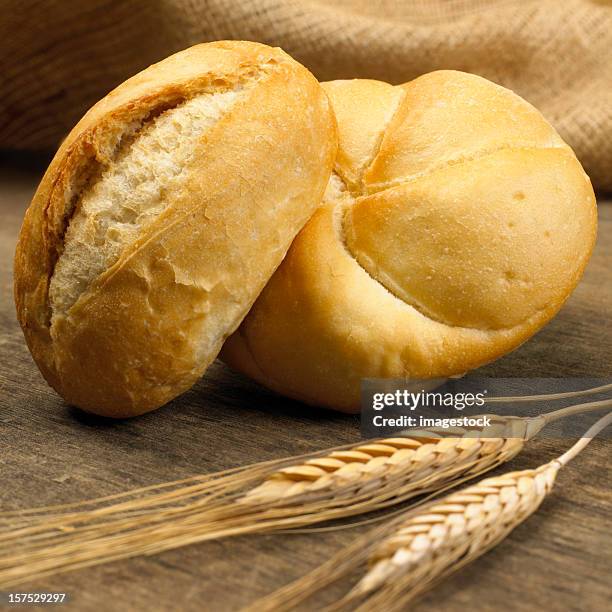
(162, 216)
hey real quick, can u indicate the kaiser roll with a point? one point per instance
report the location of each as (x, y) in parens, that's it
(455, 226)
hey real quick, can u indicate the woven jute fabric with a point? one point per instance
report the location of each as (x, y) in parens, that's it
(57, 57)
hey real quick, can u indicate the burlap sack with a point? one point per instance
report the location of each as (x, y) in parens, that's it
(59, 56)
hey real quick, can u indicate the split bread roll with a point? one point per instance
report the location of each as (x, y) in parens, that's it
(456, 225)
(161, 218)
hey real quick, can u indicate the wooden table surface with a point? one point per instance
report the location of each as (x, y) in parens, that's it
(560, 559)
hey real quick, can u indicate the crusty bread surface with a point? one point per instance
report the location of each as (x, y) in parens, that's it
(162, 216)
(456, 224)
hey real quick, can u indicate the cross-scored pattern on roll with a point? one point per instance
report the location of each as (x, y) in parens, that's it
(455, 226)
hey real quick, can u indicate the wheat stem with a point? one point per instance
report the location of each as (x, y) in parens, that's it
(555, 415)
(589, 434)
(550, 396)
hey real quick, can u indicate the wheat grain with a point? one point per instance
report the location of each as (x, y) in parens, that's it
(462, 526)
(396, 464)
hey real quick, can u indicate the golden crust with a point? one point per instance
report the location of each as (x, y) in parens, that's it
(148, 326)
(465, 234)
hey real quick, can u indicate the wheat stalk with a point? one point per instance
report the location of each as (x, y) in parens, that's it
(362, 478)
(462, 526)
(419, 453)
(275, 495)
(550, 396)
(390, 467)
(423, 546)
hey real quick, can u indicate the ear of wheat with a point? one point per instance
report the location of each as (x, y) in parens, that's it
(275, 495)
(342, 482)
(420, 548)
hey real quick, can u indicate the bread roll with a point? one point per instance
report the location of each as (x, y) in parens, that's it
(161, 218)
(456, 225)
